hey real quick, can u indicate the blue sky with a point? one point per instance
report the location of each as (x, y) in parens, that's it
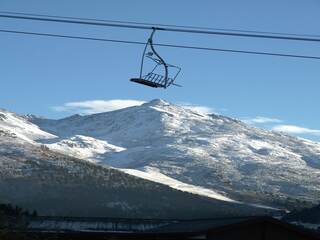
(42, 75)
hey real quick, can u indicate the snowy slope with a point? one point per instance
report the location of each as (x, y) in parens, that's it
(209, 152)
(21, 127)
(84, 147)
(152, 174)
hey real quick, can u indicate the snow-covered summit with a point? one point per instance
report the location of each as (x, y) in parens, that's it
(156, 102)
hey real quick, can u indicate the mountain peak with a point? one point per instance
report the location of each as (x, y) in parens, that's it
(32, 117)
(157, 102)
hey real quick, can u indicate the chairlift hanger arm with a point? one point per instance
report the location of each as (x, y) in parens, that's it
(160, 58)
(154, 78)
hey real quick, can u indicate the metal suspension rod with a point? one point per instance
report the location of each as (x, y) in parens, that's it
(160, 58)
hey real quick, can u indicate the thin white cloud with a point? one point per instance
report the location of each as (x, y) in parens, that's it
(197, 108)
(296, 130)
(201, 109)
(262, 120)
(96, 106)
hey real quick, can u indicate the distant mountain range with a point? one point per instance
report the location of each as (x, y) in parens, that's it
(154, 160)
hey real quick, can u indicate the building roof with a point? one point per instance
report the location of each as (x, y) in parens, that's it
(159, 228)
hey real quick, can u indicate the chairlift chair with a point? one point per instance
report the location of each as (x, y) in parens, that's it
(154, 78)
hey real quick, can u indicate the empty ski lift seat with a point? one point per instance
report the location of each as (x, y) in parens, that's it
(153, 80)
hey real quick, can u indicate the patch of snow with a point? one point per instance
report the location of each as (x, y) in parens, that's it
(307, 225)
(154, 175)
(84, 147)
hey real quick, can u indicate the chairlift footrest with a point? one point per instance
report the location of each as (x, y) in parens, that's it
(147, 82)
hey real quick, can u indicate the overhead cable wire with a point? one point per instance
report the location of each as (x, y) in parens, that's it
(159, 24)
(169, 29)
(161, 44)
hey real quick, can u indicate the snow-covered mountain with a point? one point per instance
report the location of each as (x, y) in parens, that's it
(234, 164)
(36, 177)
(209, 155)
